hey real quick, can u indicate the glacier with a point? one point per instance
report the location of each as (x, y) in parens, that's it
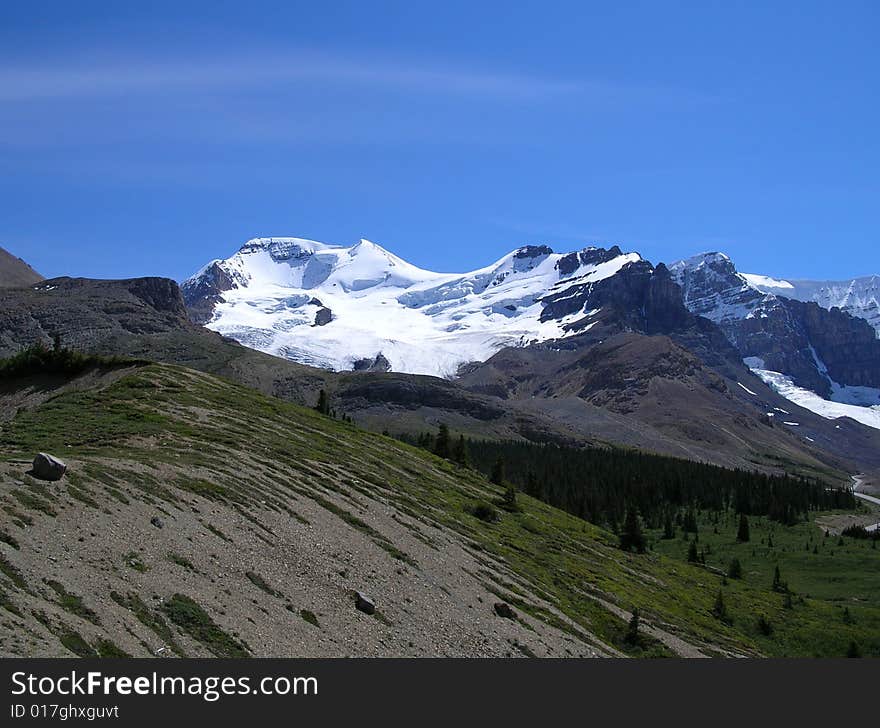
(333, 306)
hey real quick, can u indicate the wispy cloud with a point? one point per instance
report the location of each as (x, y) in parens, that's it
(120, 76)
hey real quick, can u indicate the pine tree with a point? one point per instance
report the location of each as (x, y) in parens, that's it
(460, 452)
(719, 611)
(778, 584)
(323, 405)
(532, 484)
(442, 444)
(632, 631)
(668, 528)
(497, 476)
(632, 537)
(742, 534)
(510, 502)
(735, 570)
(693, 556)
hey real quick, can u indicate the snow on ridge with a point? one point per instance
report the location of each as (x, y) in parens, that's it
(422, 321)
(761, 283)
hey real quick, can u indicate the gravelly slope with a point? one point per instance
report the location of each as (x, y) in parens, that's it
(271, 515)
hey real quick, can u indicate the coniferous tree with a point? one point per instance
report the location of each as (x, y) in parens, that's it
(735, 570)
(497, 476)
(693, 556)
(632, 631)
(323, 405)
(668, 528)
(778, 584)
(742, 533)
(442, 446)
(460, 452)
(719, 611)
(532, 484)
(510, 502)
(632, 538)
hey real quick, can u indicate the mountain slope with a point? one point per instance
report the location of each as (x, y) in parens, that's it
(269, 517)
(201, 518)
(15, 273)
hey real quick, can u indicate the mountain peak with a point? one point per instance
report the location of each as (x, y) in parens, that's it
(15, 273)
(334, 305)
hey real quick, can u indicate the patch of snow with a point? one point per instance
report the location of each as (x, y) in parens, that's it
(761, 282)
(846, 393)
(747, 389)
(784, 385)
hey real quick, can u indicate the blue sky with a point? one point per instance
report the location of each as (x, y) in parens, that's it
(149, 138)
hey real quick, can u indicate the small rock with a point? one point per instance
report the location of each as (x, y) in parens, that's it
(504, 610)
(364, 603)
(157, 522)
(323, 316)
(48, 467)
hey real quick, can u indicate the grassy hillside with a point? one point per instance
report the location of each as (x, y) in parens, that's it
(202, 518)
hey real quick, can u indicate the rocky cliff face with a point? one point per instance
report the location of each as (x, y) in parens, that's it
(814, 346)
(87, 313)
(203, 292)
(639, 297)
(859, 297)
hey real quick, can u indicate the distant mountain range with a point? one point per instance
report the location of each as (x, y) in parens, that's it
(596, 346)
(363, 308)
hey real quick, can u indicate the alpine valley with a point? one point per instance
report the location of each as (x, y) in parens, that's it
(308, 449)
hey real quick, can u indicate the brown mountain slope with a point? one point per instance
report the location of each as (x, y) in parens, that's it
(650, 392)
(15, 273)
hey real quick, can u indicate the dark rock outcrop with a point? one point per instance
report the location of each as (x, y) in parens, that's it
(378, 364)
(323, 316)
(202, 293)
(48, 467)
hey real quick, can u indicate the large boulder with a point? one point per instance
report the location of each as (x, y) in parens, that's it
(364, 603)
(48, 467)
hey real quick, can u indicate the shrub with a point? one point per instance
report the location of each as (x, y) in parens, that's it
(485, 512)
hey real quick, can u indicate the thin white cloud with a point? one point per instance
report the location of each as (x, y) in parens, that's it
(113, 76)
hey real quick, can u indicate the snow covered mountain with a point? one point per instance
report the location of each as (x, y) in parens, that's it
(813, 353)
(859, 297)
(361, 307)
